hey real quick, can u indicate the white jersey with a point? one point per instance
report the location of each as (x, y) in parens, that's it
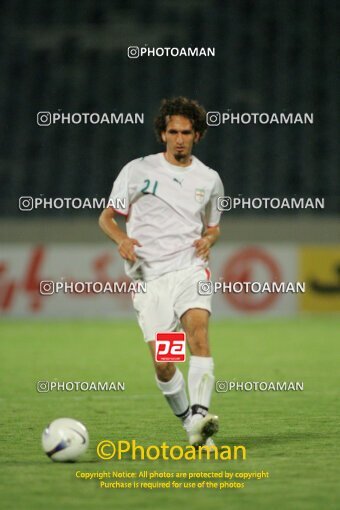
(167, 208)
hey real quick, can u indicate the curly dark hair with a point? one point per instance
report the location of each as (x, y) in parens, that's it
(180, 106)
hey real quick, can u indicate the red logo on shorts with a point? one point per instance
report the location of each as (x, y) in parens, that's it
(170, 347)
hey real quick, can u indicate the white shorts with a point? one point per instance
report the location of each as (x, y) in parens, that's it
(167, 298)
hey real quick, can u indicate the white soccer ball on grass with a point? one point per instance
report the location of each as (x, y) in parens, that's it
(65, 439)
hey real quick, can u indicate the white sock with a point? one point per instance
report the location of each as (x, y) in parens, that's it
(201, 382)
(186, 422)
(176, 395)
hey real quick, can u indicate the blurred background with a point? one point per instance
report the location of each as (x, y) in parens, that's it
(68, 57)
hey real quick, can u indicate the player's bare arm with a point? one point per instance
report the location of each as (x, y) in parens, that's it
(125, 244)
(208, 239)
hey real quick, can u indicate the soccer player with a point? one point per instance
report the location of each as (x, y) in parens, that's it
(171, 223)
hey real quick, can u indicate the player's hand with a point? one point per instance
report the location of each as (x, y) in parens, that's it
(202, 247)
(126, 248)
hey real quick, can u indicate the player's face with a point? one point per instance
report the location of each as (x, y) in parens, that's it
(179, 138)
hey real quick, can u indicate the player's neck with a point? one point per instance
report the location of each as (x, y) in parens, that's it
(186, 161)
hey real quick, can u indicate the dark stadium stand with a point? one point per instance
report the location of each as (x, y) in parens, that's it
(72, 57)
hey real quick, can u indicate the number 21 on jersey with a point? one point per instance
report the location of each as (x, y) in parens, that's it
(146, 187)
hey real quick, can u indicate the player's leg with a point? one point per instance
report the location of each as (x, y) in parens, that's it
(201, 365)
(170, 381)
(155, 313)
(193, 309)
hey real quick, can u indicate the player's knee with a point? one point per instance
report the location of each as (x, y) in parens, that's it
(198, 330)
(198, 339)
(165, 371)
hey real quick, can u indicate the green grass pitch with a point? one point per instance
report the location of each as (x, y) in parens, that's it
(293, 435)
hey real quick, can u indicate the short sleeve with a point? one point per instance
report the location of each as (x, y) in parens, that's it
(212, 214)
(119, 199)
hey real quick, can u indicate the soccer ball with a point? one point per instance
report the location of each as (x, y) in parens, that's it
(65, 439)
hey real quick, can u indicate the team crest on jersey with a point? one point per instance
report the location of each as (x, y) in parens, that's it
(199, 195)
